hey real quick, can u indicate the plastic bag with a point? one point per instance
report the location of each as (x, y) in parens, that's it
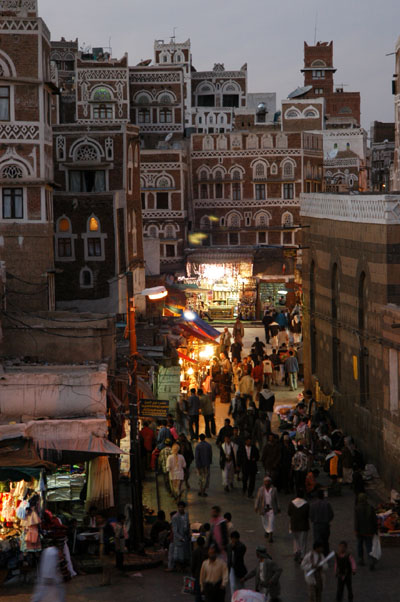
(376, 551)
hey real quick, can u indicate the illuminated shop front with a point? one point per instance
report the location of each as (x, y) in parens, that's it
(225, 282)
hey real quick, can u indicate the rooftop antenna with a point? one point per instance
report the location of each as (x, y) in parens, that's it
(315, 28)
(173, 37)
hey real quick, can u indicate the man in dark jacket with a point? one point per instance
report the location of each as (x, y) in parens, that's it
(203, 458)
(299, 512)
(267, 575)
(226, 431)
(321, 516)
(193, 412)
(237, 568)
(199, 555)
(207, 409)
(248, 456)
(365, 526)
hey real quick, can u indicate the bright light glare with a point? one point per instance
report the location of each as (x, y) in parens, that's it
(207, 352)
(189, 315)
(213, 272)
(158, 296)
(190, 371)
(282, 292)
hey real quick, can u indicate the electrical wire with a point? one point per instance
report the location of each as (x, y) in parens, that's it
(55, 334)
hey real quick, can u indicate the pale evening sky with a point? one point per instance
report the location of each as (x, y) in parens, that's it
(266, 34)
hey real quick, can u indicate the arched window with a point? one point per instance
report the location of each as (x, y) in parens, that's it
(292, 114)
(274, 169)
(152, 231)
(287, 220)
(288, 170)
(236, 174)
(64, 240)
(143, 99)
(205, 223)
(87, 152)
(102, 95)
(134, 234)
(165, 99)
(310, 114)
(12, 172)
(165, 116)
(203, 175)
(86, 278)
(169, 231)
(233, 220)
(262, 220)
(218, 174)
(94, 240)
(260, 170)
(208, 143)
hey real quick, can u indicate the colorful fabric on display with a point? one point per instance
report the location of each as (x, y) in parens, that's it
(100, 491)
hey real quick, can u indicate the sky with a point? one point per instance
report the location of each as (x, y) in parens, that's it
(268, 35)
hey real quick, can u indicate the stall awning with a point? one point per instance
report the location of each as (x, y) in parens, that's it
(210, 330)
(91, 445)
(145, 388)
(187, 358)
(223, 257)
(20, 454)
(189, 328)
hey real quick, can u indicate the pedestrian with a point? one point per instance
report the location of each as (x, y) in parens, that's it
(193, 412)
(162, 463)
(267, 506)
(292, 368)
(163, 434)
(365, 526)
(181, 537)
(238, 331)
(225, 363)
(314, 567)
(219, 535)
(312, 486)
(225, 341)
(258, 375)
(257, 349)
(246, 385)
(203, 459)
(229, 524)
(236, 351)
(199, 555)
(227, 430)
(160, 530)
(50, 585)
(248, 456)
(148, 442)
(227, 463)
(267, 369)
(274, 329)
(120, 536)
(285, 464)
(300, 468)
(213, 577)
(345, 568)
(271, 456)
(321, 516)
(266, 402)
(299, 513)
(267, 319)
(176, 468)
(186, 450)
(207, 410)
(267, 574)
(236, 566)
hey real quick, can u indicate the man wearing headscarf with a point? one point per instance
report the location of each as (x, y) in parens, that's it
(267, 506)
(267, 574)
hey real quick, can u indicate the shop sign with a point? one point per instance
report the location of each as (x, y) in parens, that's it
(169, 385)
(290, 252)
(154, 408)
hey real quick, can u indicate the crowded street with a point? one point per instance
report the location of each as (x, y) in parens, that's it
(147, 585)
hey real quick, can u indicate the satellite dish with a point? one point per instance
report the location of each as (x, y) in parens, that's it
(168, 137)
(333, 153)
(262, 107)
(300, 91)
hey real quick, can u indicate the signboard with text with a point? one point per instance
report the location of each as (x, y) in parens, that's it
(154, 408)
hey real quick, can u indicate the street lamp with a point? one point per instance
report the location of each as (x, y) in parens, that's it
(188, 314)
(155, 293)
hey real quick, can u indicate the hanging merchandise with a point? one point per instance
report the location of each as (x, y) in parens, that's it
(100, 492)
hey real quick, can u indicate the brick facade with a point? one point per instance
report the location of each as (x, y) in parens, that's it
(26, 168)
(351, 271)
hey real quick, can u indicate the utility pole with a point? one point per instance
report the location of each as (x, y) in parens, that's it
(136, 534)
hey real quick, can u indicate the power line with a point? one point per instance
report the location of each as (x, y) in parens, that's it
(55, 334)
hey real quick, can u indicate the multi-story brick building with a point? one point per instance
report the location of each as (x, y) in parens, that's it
(351, 271)
(27, 108)
(345, 142)
(97, 209)
(382, 155)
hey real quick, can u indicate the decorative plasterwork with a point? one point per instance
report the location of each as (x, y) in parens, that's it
(224, 74)
(246, 153)
(160, 128)
(228, 203)
(102, 74)
(18, 25)
(159, 166)
(156, 77)
(162, 213)
(376, 209)
(12, 131)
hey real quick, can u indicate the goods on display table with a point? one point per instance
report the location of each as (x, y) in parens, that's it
(388, 516)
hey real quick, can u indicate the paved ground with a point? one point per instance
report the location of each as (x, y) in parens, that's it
(156, 585)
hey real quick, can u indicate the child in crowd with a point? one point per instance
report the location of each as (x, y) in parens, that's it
(345, 568)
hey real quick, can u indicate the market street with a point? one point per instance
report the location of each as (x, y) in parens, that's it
(155, 584)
